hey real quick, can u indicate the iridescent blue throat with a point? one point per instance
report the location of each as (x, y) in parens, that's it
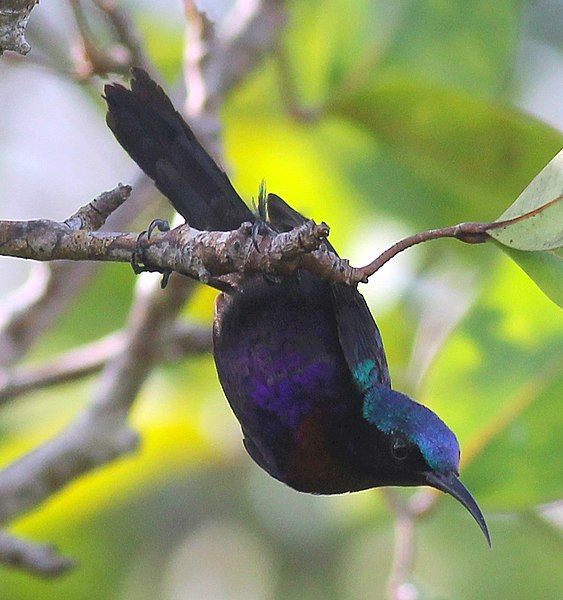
(393, 412)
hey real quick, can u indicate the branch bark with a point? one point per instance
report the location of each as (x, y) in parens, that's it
(40, 560)
(188, 251)
(205, 254)
(183, 340)
(14, 15)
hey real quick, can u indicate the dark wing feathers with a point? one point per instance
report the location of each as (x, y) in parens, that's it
(281, 215)
(357, 331)
(158, 139)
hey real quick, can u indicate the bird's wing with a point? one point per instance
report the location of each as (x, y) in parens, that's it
(359, 337)
(357, 331)
(157, 138)
(281, 215)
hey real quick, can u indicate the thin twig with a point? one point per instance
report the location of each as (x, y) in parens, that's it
(470, 233)
(398, 586)
(126, 32)
(40, 560)
(91, 59)
(217, 58)
(183, 340)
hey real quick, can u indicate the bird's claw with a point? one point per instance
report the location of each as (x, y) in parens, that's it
(159, 224)
(255, 232)
(259, 229)
(165, 277)
(137, 258)
(138, 263)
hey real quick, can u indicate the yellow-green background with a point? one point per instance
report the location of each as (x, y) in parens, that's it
(425, 133)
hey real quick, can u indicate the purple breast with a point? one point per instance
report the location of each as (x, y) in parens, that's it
(292, 387)
(278, 354)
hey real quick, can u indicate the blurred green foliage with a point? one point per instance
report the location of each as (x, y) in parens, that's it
(418, 131)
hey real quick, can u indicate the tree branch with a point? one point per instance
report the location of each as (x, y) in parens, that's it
(126, 32)
(92, 59)
(188, 251)
(406, 514)
(183, 340)
(205, 254)
(14, 15)
(398, 586)
(470, 233)
(33, 307)
(40, 560)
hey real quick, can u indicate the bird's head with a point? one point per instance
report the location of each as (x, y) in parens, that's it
(420, 448)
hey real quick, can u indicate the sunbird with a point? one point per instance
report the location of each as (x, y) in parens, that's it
(300, 359)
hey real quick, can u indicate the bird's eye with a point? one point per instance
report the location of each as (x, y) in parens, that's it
(399, 448)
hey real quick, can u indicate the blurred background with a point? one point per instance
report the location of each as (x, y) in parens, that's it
(381, 119)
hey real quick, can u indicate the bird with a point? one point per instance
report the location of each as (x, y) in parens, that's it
(300, 359)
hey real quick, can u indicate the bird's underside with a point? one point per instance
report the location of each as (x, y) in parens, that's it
(281, 366)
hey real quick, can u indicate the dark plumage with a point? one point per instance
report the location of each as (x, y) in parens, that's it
(301, 360)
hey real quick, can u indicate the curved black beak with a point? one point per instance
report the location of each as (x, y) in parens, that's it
(449, 483)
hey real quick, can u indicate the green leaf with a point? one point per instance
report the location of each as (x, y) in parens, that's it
(522, 444)
(532, 242)
(539, 229)
(545, 268)
(324, 48)
(466, 45)
(454, 562)
(544, 229)
(544, 187)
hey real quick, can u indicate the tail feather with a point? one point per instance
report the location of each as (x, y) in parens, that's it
(157, 138)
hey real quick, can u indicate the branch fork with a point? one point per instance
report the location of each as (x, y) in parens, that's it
(188, 251)
(203, 255)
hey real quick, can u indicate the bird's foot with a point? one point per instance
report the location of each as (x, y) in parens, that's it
(165, 277)
(138, 257)
(272, 279)
(138, 262)
(259, 229)
(159, 224)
